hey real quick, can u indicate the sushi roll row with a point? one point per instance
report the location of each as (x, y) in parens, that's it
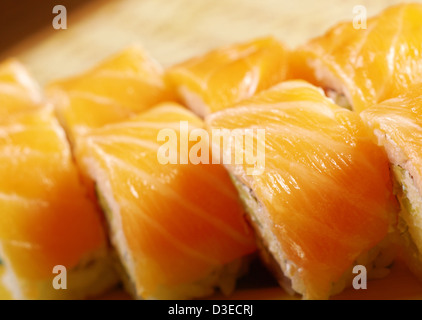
(47, 219)
(337, 121)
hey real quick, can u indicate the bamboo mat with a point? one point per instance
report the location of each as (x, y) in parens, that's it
(173, 30)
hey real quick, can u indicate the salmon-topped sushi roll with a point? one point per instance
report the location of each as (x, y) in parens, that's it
(398, 125)
(358, 64)
(124, 84)
(18, 91)
(227, 75)
(321, 197)
(177, 226)
(48, 226)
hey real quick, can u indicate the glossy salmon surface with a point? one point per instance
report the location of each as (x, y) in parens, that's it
(46, 219)
(368, 64)
(18, 91)
(122, 85)
(324, 193)
(171, 223)
(227, 75)
(400, 119)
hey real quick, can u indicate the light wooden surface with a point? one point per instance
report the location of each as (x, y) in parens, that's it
(173, 30)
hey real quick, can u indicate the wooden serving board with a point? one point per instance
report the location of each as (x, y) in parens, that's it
(176, 30)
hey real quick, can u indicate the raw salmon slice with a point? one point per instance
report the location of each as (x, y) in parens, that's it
(46, 218)
(230, 74)
(398, 125)
(360, 67)
(117, 88)
(18, 91)
(179, 229)
(322, 201)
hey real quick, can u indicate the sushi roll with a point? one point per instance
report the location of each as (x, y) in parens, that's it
(322, 201)
(177, 227)
(18, 91)
(359, 67)
(228, 75)
(119, 87)
(46, 219)
(124, 84)
(398, 125)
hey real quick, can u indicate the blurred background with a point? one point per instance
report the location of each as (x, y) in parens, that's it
(170, 30)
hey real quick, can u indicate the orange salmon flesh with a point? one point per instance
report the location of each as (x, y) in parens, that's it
(326, 186)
